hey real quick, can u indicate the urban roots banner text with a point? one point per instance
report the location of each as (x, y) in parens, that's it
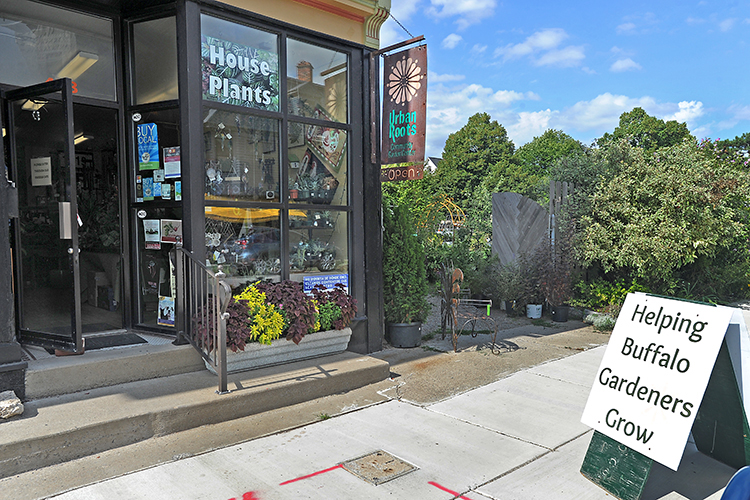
(654, 373)
(404, 106)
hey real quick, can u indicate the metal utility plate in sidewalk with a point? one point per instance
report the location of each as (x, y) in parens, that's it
(378, 467)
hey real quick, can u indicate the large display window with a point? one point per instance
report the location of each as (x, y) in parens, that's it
(275, 212)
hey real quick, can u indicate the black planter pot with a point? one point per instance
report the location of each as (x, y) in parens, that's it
(404, 334)
(560, 314)
(509, 307)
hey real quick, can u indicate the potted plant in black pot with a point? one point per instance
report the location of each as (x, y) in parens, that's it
(405, 284)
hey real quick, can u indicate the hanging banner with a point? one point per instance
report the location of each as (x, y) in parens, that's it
(404, 106)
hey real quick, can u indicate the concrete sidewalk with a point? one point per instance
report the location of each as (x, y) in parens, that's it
(516, 438)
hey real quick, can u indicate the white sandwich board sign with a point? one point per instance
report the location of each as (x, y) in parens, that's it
(655, 371)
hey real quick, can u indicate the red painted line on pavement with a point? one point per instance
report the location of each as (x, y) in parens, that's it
(447, 490)
(339, 466)
(250, 495)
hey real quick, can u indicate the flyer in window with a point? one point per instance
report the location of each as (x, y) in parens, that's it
(148, 147)
(171, 231)
(166, 311)
(148, 189)
(172, 162)
(151, 230)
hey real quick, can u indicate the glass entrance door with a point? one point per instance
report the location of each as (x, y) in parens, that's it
(46, 252)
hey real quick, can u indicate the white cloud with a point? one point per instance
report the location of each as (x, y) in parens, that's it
(626, 29)
(468, 12)
(404, 9)
(539, 41)
(449, 108)
(542, 49)
(530, 124)
(688, 112)
(624, 65)
(478, 49)
(738, 114)
(566, 57)
(450, 41)
(726, 24)
(602, 114)
(435, 78)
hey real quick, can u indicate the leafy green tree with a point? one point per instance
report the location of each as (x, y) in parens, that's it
(539, 155)
(470, 154)
(740, 143)
(645, 131)
(662, 213)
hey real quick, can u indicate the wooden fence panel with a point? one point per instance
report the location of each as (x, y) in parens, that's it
(519, 224)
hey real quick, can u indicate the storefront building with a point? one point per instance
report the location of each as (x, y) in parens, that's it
(235, 128)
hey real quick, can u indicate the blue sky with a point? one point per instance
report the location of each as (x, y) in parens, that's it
(577, 65)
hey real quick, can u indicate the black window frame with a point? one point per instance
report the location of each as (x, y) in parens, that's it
(284, 116)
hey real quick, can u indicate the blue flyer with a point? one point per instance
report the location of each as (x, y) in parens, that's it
(328, 281)
(148, 147)
(148, 189)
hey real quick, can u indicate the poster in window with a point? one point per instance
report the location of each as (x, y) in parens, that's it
(148, 146)
(152, 234)
(328, 142)
(41, 171)
(166, 311)
(171, 231)
(239, 75)
(172, 164)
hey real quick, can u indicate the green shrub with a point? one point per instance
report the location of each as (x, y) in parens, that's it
(603, 295)
(405, 283)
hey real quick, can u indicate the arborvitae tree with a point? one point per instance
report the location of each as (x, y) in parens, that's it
(404, 278)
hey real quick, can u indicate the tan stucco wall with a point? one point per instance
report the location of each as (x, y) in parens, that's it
(358, 21)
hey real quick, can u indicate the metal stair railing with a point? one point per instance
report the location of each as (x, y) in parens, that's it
(201, 310)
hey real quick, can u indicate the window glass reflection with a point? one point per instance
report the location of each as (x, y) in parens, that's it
(40, 42)
(155, 57)
(245, 242)
(316, 81)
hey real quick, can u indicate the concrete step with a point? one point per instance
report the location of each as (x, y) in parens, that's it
(61, 428)
(49, 375)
